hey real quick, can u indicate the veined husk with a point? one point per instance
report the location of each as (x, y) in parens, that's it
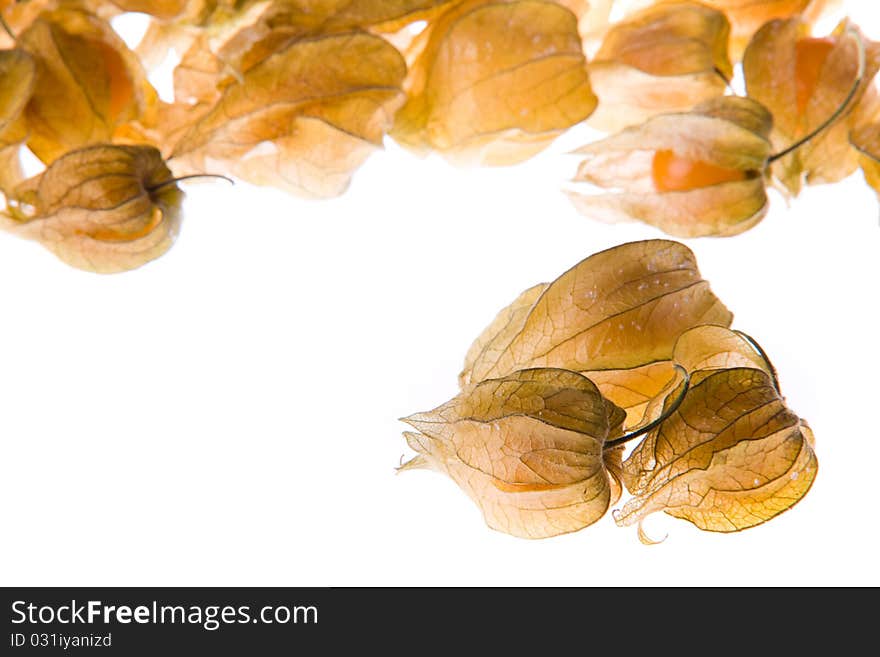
(618, 309)
(731, 456)
(304, 118)
(162, 9)
(17, 75)
(104, 208)
(865, 138)
(769, 66)
(527, 448)
(494, 82)
(729, 132)
(664, 59)
(747, 16)
(88, 84)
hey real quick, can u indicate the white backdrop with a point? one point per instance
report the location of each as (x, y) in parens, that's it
(227, 414)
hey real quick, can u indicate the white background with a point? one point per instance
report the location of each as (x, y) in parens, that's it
(227, 414)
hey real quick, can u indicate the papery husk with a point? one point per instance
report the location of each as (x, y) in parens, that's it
(747, 16)
(304, 118)
(665, 59)
(494, 82)
(527, 448)
(769, 68)
(642, 391)
(866, 140)
(104, 208)
(728, 132)
(17, 75)
(618, 309)
(732, 456)
(88, 83)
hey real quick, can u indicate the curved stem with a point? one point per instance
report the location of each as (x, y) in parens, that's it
(660, 420)
(172, 181)
(727, 82)
(763, 354)
(860, 74)
(6, 28)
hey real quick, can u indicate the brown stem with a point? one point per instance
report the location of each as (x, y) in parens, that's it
(763, 354)
(660, 420)
(721, 75)
(6, 28)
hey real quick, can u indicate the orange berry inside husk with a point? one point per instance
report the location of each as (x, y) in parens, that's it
(810, 56)
(673, 173)
(119, 81)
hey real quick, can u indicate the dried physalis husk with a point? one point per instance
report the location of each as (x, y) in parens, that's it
(528, 448)
(711, 347)
(691, 174)
(803, 81)
(272, 26)
(17, 74)
(642, 391)
(103, 208)
(163, 9)
(867, 142)
(88, 83)
(637, 390)
(304, 118)
(494, 82)
(664, 59)
(297, 17)
(618, 309)
(220, 22)
(747, 16)
(386, 16)
(730, 457)
(242, 34)
(213, 15)
(197, 36)
(18, 14)
(865, 138)
(198, 75)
